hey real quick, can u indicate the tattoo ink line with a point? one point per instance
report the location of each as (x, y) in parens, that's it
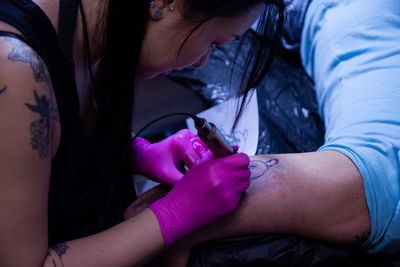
(259, 167)
(40, 129)
(2, 90)
(23, 53)
(60, 249)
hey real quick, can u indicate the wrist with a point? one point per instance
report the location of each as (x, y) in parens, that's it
(173, 224)
(138, 149)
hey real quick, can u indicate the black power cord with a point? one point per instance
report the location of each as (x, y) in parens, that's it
(196, 119)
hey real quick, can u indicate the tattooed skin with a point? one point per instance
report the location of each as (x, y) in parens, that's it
(259, 167)
(2, 90)
(60, 249)
(23, 53)
(40, 129)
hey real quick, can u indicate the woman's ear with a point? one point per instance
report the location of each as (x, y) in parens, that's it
(159, 7)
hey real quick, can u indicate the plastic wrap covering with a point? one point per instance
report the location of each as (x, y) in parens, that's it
(276, 251)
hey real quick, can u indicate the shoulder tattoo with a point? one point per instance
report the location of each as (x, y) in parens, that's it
(60, 250)
(23, 53)
(40, 128)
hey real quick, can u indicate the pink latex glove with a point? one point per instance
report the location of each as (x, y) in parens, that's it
(206, 192)
(159, 161)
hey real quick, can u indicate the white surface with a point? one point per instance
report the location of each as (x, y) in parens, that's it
(223, 116)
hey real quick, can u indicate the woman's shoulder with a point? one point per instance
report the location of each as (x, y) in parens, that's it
(26, 91)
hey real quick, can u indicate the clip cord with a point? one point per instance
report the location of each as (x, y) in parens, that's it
(124, 156)
(194, 117)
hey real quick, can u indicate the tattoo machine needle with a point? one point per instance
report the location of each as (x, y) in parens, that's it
(213, 138)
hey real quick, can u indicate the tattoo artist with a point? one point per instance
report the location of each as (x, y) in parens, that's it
(66, 99)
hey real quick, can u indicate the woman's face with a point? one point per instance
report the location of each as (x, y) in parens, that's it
(161, 46)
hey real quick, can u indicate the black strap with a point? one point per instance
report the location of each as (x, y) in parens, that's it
(14, 35)
(68, 14)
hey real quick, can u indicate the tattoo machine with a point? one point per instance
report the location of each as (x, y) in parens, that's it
(208, 133)
(213, 138)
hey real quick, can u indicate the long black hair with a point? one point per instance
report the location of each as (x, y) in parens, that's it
(123, 28)
(262, 49)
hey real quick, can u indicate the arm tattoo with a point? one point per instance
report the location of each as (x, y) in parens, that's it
(3, 89)
(60, 250)
(40, 129)
(259, 167)
(52, 260)
(23, 53)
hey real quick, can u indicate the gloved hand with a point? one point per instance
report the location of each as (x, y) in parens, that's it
(159, 161)
(206, 192)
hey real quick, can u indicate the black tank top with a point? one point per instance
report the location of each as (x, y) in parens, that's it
(79, 196)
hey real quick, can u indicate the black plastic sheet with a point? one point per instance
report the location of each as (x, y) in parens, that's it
(276, 251)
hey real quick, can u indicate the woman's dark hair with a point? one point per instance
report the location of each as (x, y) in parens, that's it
(262, 49)
(124, 25)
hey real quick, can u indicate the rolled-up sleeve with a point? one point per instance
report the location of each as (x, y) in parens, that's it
(352, 51)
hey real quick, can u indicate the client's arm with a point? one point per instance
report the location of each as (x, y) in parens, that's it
(318, 195)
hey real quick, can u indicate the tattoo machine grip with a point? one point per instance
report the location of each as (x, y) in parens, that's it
(213, 138)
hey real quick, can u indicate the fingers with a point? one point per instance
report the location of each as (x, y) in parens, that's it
(172, 176)
(202, 150)
(139, 144)
(189, 157)
(243, 187)
(243, 175)
(208, 155)
(191, 149)
(240, 160)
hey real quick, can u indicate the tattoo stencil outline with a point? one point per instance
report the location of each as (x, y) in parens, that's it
(259, 167)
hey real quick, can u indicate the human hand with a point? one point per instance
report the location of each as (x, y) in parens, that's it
(206, 192)
(159, 161)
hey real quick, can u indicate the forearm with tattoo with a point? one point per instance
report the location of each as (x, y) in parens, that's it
(59, 250)
(259, 168)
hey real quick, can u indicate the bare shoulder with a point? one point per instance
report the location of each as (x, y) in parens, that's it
(26, 91)
(28, 141)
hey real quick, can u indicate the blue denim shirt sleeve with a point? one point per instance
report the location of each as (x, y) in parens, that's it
(351, 49)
